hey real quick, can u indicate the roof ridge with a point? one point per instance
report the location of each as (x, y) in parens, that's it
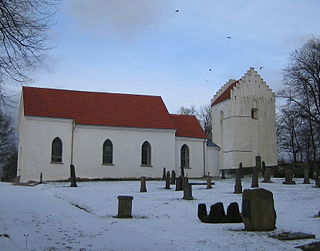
(96, 92)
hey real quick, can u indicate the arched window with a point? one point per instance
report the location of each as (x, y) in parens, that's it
(107, 152)
(185, 156)
(56, 150)
(146, 154)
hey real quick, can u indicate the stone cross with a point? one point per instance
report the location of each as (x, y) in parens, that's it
(173, 177)
(164, 173)
(73, 176)
(168, 182)
(306, 174)
(238, 186)
(209, 183)
(187, 191)
(179, 183)
(124, 206)
(143, 187)
(255, 171)
(288, 173)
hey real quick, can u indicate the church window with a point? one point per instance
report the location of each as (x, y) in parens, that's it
(56, 150)
(107, 152)
(146, 154)
(254, 113)
(185, 156)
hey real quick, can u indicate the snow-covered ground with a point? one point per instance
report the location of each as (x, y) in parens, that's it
(54, 216)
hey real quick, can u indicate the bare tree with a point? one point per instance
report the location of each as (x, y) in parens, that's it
(204, 117)
(302, 80)
(24, 28)
(7, 137)
(188, 110)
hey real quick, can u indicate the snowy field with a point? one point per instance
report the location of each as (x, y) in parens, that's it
(54, 216)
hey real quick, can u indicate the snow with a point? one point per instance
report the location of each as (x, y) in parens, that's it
(54, 216)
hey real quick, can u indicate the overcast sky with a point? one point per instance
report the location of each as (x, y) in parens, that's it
(148, 47)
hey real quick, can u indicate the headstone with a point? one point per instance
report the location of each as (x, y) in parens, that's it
(202, 211)
(187, 191)
(258, 211)
(288, 173)
(167, 182)
(313, 246)
(217, 214)
(263, 168)
(267, 175)
(185, 180)
(238, 186)
(306, 174)
(143, 187)
(209, 183)
(317, 180)
(164, 173)
(168, 175)
(173, 177)
(179, 183)
(223, 175)
(73, 176)
(124, 206)
(40, 178)
(255, 172)
(233, 213)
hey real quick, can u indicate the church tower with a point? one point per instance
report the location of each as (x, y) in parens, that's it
(243, 122)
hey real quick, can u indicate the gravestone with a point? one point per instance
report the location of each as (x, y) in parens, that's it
(263, 168)
(306, 174)
(179, 183)
(258, 211)
(185, 180)
(255, 172)
(209, 183)
(267, 175)
(202, 211)
(238, 186)
(124, 206)
(143, 187)
(317, 180)
(73, 176)
(187, 191)
(167, 182)
(164, 173)
(40, 178)
(223, 174)
(173, 177)
(233, 213)
(217, 214)
(288, 173)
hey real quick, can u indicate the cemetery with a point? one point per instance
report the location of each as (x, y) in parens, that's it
(240, 212)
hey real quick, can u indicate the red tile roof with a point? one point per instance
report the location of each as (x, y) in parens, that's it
(105, 109)
(226, 94)
(188, 126)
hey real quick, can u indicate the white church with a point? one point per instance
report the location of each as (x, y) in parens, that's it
(113, 136)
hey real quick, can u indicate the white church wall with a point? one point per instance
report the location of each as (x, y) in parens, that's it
(213, 161)
(127, 143)
(197, 148)
(35, 140)
(240, 136)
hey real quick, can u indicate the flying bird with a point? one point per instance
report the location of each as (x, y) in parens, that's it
(210, 69)
(229, 37)
(176, 10)
(260, 67)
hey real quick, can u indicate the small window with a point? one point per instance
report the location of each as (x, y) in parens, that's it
(56, 150)
(146, 154)
(254, 113)
(107, 152)
(185, 156)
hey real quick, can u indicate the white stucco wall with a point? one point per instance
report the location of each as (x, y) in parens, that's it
(213, 161)
(240, 136)
(197, 156)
